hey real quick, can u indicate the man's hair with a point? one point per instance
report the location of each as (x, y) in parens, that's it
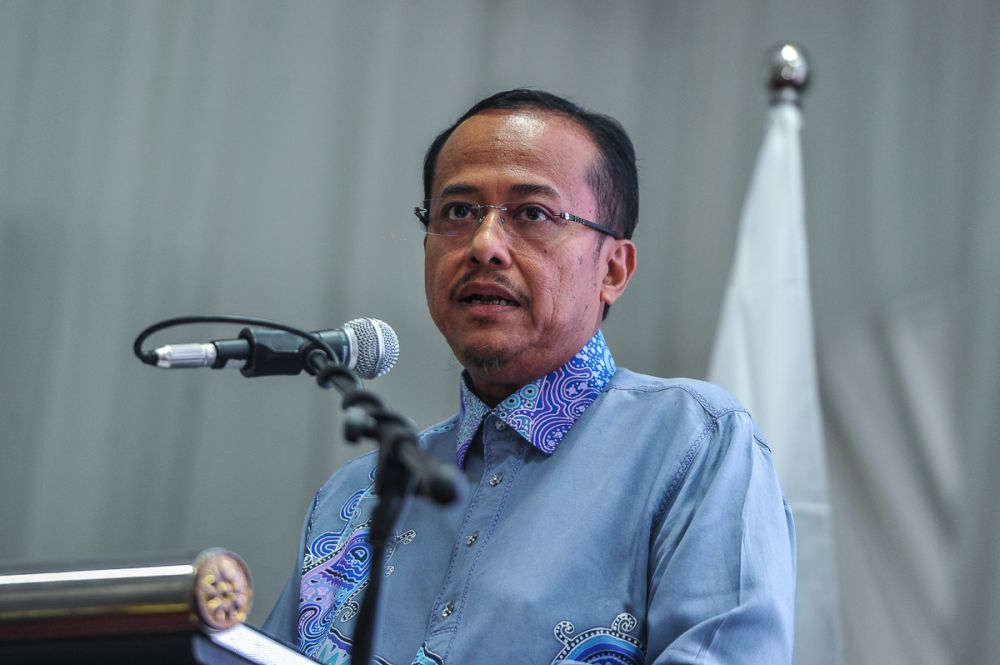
(613, 178)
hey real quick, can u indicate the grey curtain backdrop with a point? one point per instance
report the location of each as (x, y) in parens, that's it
(163, 158)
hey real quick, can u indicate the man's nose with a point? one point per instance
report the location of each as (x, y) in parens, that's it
(489, 244)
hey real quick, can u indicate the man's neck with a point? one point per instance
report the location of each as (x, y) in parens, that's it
(492, 393)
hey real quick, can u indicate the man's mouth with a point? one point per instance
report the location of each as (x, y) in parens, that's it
(476, 299)
(497, 293)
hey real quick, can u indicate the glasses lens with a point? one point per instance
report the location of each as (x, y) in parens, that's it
(449, 217)
(532, 221)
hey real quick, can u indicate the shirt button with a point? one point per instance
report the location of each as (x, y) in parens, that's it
(500, 425)
(496, 479)
(473, 537)
(447, 610)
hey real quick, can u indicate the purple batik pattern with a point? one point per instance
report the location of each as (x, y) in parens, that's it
(335, 570)
(546, 409)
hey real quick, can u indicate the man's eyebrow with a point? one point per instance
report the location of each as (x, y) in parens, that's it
(520, 189)
(529, 189)
(459, 188)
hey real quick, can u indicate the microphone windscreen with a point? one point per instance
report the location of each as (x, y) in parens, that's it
(378, 347)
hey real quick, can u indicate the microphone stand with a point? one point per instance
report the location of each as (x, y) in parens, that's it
(402, 468)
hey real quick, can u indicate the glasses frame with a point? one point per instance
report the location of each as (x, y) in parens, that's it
(422, 211)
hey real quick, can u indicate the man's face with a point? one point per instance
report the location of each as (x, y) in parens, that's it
(552, 293)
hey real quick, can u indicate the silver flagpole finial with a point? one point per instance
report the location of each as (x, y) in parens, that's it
(787, 73)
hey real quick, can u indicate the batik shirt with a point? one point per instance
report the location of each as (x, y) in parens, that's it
(609, 517)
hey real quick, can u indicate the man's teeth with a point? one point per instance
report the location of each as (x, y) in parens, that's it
(488, 300)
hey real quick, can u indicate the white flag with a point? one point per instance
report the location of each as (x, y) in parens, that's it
(764, 354)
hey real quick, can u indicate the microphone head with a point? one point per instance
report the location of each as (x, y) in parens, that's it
(378, 347)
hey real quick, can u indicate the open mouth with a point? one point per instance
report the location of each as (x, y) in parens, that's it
(497, 294)
(476, 299)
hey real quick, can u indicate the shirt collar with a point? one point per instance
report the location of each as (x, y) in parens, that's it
(543, 411)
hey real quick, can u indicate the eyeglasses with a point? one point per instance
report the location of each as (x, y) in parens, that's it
(532, 221)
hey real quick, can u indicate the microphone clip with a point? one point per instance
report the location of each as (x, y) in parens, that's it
(272, 353)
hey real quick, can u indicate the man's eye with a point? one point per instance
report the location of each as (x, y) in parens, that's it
(457, 211)
(533, 214)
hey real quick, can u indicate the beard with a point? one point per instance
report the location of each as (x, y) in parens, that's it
(484, 359)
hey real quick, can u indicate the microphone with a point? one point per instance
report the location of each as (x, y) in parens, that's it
(367, 346)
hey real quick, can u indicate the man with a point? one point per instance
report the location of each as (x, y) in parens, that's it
(610, 517)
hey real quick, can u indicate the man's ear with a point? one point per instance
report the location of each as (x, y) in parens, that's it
(621, 261)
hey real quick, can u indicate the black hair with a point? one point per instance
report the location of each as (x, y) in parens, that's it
(613, 178)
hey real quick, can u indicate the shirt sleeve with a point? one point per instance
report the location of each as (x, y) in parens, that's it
(722, 568)
(281, 622)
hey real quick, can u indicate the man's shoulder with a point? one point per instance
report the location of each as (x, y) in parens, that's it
(694, 401)
(712, 399)
(354, 476)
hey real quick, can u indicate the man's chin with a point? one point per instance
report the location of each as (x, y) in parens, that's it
(485, 360)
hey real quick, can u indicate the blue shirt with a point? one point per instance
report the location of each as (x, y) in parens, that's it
(610, 517)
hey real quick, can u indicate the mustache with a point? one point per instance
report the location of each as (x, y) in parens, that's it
(497, 278)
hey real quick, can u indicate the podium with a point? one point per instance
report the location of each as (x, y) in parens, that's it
(161, 612)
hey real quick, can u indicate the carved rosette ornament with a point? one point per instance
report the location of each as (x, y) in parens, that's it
(223, 590)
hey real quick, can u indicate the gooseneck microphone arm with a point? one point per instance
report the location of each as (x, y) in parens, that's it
(402, 467)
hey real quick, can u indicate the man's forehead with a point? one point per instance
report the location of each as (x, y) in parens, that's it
(525, 127)
(526, 119)
(544, 144)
